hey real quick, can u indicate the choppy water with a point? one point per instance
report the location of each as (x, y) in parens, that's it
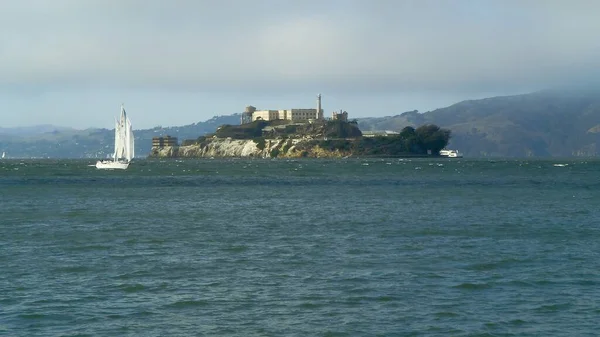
(300, 248)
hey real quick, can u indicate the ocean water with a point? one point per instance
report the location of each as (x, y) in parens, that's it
(357, 247)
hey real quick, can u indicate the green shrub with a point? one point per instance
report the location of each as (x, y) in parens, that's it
(188, 142)
(289, 129)
(260, 143)
(286, 146)
(244, 131)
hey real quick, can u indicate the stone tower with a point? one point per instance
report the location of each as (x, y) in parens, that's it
(247, 114)
(319, 114)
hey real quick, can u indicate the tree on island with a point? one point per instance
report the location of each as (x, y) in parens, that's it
(430, 137)
(426, 139)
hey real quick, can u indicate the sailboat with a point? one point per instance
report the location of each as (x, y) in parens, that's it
(124, 145)
(3, 155)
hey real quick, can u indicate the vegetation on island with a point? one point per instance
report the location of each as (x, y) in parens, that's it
(424, 140)
(284, 128)
(244, 131)
(334, 135)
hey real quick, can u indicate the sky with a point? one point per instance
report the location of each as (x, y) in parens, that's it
(73, 62)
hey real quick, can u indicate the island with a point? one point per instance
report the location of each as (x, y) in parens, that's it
(304, 132)
(313, 139)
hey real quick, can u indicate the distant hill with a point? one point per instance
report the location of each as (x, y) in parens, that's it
(541, 124)
(28, 131)
(47, 141)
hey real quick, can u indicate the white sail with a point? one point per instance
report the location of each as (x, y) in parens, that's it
(129, 140)
(115, 154)
(132, 140)
(124, 144)
(122, 135)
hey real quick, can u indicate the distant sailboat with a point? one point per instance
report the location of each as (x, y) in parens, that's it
(124, 145)
(3, 155)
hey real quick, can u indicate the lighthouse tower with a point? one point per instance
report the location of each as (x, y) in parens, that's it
(319, 114)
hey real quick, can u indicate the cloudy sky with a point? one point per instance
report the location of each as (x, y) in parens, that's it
(175, 62)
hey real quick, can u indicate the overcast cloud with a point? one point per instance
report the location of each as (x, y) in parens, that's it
(247, 48)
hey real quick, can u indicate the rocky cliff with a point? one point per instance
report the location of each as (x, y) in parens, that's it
(227, 147)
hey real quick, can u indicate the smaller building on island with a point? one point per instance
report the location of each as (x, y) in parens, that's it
(164, 141)
(340, 116)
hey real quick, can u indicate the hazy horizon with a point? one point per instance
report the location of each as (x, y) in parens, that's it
(111, 126)
(72, 63)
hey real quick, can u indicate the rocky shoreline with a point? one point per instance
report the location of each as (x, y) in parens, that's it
(218, 147)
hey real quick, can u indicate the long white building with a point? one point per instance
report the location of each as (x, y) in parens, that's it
(295, 115)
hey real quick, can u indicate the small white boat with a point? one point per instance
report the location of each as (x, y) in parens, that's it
(111, 165)
(3, 155)
(450, 153)
(124, 145)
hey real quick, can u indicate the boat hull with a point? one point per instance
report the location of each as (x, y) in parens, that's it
(111, 165)
(450, 154)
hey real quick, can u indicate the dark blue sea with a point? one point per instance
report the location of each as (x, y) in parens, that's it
(356, 247)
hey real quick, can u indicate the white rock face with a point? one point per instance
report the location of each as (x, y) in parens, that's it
(231, 148)
(227, 147)
(215, 148)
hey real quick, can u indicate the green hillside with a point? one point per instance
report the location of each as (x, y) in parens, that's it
(547, 123)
